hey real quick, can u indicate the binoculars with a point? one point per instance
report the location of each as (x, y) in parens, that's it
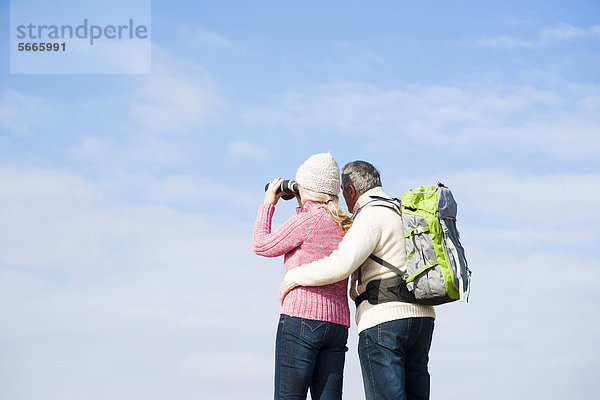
(289, 187)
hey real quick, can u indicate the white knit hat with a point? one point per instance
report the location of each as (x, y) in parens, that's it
(320, 173)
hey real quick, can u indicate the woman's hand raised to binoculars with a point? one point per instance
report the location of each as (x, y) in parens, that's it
(271, 195)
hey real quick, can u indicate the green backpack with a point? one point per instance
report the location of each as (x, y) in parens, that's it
(437, 270)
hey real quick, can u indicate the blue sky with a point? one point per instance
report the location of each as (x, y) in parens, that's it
(128, 201)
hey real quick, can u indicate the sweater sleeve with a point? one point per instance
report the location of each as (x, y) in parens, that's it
(272, 244)
(354, 249)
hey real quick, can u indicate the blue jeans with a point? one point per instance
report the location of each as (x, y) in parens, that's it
(309, 354)
(393, 359)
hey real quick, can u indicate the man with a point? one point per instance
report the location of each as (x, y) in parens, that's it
(394, 335)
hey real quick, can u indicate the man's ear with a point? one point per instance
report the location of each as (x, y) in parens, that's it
(352, 190)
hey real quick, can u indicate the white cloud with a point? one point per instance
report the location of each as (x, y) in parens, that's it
(515, 303)
(61, 221)
(510, 21)
(504, 42)
(207, 38)
(147, 150)
(131, 57)
(519, 119)
(23, 114)
(564, 31)
(177, 98)
(104, 57)
(515, 209)
(243, 149)
(357, 108)
(174, 104)
(113, 293)
(189, 190)
(212, 39)
(548, 36)
(91, 147)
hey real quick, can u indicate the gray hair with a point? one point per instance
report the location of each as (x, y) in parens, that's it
(360, 174)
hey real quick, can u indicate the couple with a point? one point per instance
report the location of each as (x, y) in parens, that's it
(322, 248)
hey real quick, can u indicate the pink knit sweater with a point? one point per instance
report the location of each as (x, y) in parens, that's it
(308, 236)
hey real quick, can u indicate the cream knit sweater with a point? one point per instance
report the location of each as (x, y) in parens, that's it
(378, 231)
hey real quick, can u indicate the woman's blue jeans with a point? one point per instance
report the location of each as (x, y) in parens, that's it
(394, 357)
(309, 354)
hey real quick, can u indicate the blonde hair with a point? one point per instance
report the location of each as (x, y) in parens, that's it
(332, 205)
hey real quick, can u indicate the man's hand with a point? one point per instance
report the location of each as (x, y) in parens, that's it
(284, 289)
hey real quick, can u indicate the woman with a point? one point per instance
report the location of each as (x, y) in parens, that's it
(313, 325)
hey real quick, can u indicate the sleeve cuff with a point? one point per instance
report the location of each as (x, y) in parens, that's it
(288, 280)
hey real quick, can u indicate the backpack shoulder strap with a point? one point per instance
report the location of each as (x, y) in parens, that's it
(396, 205)
(386, 264)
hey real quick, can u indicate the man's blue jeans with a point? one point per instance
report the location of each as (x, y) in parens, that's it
(309, 354)
(393, 358)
